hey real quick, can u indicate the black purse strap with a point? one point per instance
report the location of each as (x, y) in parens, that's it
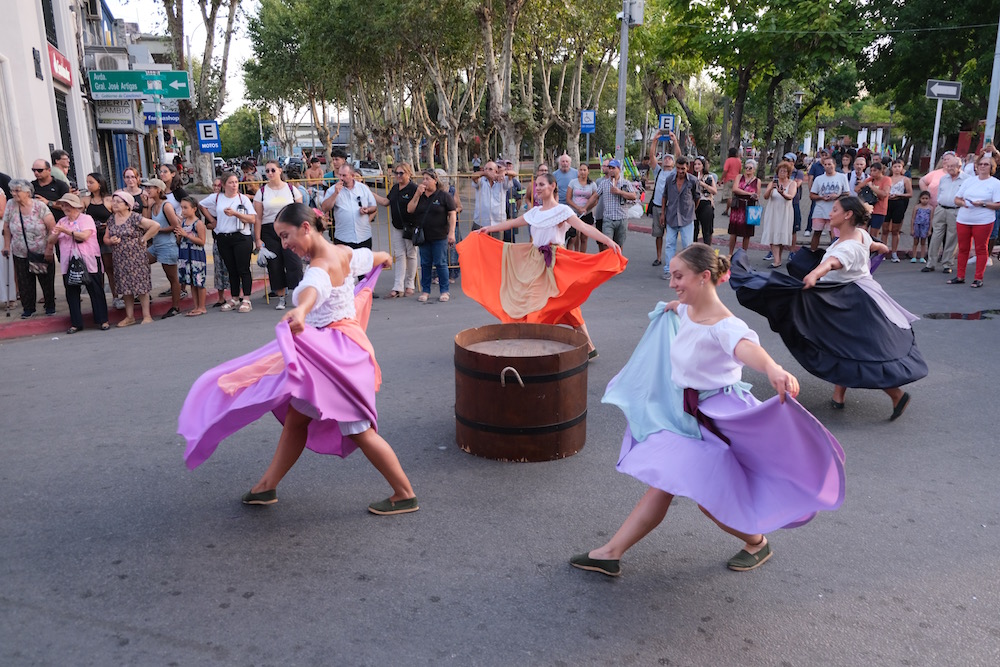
(27, 248)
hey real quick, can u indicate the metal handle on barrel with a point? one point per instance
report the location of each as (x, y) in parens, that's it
(503, 376)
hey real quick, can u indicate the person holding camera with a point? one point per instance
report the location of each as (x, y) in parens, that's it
(617, 195)
(353, 206)
(236, 226)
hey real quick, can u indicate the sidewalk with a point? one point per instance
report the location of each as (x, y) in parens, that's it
(12, 326)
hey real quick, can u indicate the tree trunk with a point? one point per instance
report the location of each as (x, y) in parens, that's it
(209, 91)
(772, 90)
(742, 87)
(498, 71)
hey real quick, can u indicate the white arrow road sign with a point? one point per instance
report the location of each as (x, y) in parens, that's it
(944, 90)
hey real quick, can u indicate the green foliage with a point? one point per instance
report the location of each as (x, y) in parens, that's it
(902, 62)
(240, 132)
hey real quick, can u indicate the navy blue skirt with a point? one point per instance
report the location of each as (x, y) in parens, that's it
(836, 331)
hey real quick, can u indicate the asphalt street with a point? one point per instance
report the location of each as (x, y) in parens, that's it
(115, 554)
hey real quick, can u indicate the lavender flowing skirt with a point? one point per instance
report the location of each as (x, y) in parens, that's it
(782, 467)
(326, 376)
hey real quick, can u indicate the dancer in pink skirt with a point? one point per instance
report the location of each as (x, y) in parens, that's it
(695, 430)
(319, 376)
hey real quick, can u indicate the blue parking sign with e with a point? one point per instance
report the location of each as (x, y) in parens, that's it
(668, 121)
(208, 137)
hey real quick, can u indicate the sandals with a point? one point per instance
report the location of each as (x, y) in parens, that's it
(444, 297)
(105, 326)
(245, 307)
(73, 330)
(956, 281)
(423, 297)
(976, 283)
(227, 306)
(745, 561)
(408, 291)
(127, 322)
(393, 295)
(836, 405)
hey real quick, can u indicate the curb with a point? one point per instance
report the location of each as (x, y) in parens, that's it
(42, 324)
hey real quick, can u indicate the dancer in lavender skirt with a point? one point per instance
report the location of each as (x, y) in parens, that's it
(319, 376)
(695, 430)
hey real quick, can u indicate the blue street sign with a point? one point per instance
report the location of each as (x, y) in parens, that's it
(588, 121)
(668, 121)
(168, 117)
(208, 137)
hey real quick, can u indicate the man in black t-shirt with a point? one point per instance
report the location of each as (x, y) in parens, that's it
(5, 184)
(48, 189)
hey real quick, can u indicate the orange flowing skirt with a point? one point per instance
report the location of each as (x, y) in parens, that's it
(577, 274)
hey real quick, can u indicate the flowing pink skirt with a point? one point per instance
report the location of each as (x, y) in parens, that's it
(325, 375)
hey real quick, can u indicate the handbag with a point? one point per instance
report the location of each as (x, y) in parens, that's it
(867, 195)
(635, 211)
(754, 215)
(77, 273)
(417, 237)
(37, 263)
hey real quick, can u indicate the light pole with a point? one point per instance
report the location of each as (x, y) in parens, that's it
(631, 14)
(892, 110)
(799, 94)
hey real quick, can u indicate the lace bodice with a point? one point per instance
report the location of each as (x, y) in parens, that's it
(333, 303)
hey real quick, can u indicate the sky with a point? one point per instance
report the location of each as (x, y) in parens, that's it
(150, 17)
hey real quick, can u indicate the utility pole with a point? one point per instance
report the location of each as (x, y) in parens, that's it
(991, 108)
(632, 12)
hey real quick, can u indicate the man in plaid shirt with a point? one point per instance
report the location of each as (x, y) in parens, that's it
(616, 195)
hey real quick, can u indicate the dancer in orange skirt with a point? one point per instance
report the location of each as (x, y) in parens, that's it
(541, 283)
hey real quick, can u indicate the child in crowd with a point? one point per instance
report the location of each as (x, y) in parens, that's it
(920, 224)
(191, 260)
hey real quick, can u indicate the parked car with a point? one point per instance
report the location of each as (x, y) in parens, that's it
(370, 170)
(282, 161)
(220, 165)
(297, 161)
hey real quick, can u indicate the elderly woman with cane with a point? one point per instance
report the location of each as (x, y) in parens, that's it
(27, 223)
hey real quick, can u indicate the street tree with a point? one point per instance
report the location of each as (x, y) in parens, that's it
(907, 54)
(209, 90)
(240, 132)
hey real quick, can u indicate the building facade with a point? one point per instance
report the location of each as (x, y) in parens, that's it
(42, 107)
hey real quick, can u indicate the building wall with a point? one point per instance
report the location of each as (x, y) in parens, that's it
(29, 126)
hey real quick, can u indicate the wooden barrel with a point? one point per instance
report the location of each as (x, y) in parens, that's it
(521, 391)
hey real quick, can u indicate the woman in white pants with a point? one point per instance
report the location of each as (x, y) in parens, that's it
(404, 253)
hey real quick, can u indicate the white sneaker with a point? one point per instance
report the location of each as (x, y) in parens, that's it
(118, 304)
(895, 258)
(281, 303)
